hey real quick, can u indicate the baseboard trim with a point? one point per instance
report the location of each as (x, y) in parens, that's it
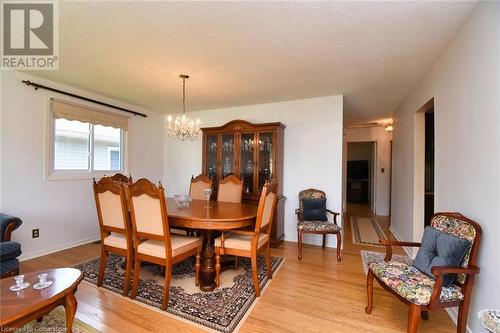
(58, 248)
(453, 313)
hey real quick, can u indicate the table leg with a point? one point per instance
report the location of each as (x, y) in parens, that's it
(70, 307)
(207, 271)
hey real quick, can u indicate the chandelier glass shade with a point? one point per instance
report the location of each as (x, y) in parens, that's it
(183, 127)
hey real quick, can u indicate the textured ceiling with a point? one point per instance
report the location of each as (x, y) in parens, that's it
(241, 53)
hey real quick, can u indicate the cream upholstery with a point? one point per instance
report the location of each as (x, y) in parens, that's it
(111, 209)
(240, 242)
(148, 214)
(116, 240)
(180, 244)
(196, 191)
(266, 214)
(230, 192)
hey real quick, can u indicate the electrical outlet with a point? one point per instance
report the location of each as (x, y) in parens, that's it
(35, 233)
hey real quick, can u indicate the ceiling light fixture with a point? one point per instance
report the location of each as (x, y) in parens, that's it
(183, 128)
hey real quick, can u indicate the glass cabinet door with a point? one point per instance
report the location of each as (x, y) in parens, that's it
(266, 157)
(247, 161)
(227, 147)
(211, 157)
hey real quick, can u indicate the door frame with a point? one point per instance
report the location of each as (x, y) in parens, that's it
(419, 169)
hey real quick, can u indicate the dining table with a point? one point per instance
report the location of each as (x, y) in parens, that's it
(210, 217)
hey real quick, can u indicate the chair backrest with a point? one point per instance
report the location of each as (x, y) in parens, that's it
(267, 204)
(112, 208)
(457, 225)
(148, 212)
(310, 193)
(121, 178)
(198, 185)
(230, 189)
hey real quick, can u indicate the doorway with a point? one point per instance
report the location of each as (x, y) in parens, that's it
(360, 185)
(429, 166)
(424, 168)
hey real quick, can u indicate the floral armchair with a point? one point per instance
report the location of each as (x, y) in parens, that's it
(316, 227)
(422, 292)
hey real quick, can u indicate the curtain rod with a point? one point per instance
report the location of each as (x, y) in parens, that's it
(37, 86)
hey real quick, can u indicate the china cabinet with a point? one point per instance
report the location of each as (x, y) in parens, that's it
(252, 152)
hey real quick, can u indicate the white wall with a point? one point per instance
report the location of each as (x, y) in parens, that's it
(465, 84)
(382, 159)
(312, 151)
(63, 210)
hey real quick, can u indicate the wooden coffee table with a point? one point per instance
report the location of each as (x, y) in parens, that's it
(19, 308)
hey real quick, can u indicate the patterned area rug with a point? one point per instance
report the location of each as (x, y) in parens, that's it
(55, 321)
(221, 310)
(370, 256)
(366, 231)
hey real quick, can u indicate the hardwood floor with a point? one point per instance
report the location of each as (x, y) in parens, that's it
(317, 294)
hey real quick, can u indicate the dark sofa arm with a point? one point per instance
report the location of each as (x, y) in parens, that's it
(7, 225)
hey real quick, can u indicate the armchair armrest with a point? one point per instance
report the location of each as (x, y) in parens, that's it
(7, 225)
(438, 272)
(390, 243)
(335, 214)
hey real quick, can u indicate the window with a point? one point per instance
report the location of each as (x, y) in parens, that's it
(83, 145)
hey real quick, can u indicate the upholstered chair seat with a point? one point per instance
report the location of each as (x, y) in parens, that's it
(411, 284)
(318, 226)
(116, 240)
(241, 242)
(180, 244)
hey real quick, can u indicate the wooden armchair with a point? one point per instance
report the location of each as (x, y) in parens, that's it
(316, 227)
(230, 189)
(419, 291)
(249, 243)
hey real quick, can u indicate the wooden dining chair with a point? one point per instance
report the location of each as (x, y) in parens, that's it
(119, 177)
(198, 185)
(230, 189)
(114, 223)
(249, 243)
(152, 239)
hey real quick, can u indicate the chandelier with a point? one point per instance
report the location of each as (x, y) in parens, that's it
(183, 128)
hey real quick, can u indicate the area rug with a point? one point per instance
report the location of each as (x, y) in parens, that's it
(366, 231)
(370, 256)
(221, 310)
(55, 321)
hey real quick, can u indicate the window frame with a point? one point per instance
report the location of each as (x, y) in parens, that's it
(50, 173)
